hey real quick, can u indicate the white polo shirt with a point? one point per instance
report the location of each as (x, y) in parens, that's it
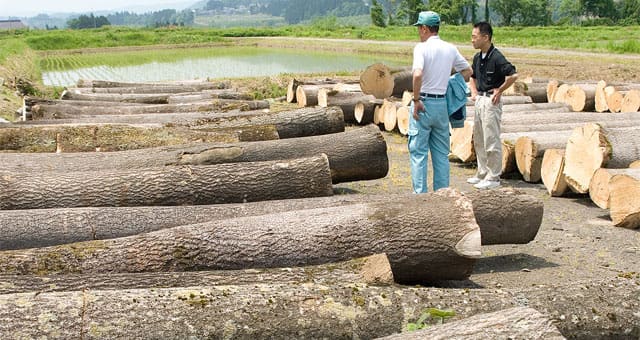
(436, 58)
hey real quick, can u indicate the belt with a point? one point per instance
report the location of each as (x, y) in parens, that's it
(485, 93)
(430, 95)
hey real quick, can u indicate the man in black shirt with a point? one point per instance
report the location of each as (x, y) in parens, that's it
(492, 74)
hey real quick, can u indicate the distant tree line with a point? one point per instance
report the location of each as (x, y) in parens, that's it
(166, 17)
(88, 21)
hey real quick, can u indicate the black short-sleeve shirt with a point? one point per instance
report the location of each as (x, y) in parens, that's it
(490, 71)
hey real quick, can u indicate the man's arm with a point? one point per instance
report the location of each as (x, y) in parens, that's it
(417, 84)
(466, 73)
(508, 81)
(473, 88)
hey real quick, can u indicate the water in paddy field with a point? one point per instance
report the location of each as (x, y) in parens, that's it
(222, 62)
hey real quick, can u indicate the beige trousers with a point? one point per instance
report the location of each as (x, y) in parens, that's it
(486, 138)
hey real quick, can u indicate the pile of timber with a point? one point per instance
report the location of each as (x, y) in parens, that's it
(595, 96)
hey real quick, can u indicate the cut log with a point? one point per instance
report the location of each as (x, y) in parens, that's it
(377, 80)
(201, 84)
(514, 100)
(307, 95)
(347, 101)
(599, 186)
(89, 138)
(364, 112)
(462, 142)
(222, 183)
(600, 100)
(504, 217)
(389, 114)
(533, 80)
(512, 323)
(208, 95)
(624, 205)
(533, 107)
(336, 311)
(614, 98)
(359, 154)
(407, 96)
(290, 124)
(294, 83)
(530, 149)
(374, 269)
(158, 98)
(402, 81)
(552, 89)
(402, 113)
(635, 165)
(552, 172)
(581, 97)
(591, 147)
(61, 109)
(140, 89)
(631, 101)
(561, 93)
(537, 92)
(508, 158)
(447, 247)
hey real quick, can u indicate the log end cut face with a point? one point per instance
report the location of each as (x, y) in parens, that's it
(624, 202)
(377, 81)
(587, 150)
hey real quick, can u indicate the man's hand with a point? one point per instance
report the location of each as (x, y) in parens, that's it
(497, 94)
(418, 107)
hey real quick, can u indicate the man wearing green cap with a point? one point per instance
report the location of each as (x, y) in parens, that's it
(433, 60)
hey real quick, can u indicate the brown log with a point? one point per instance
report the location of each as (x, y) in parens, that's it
(592, 146)
(60, 109)
(336, 311)
(208, 95)
(158, 98)
(552, 172)
(377, 80)
(294, 83)
(599, 191)
(201, 84)
(447, 247)
(631, 101)
(363, 112)
(290, 124)
(307, 95)
(530, 149)
(140, 89)
(581, 97)
(504, 216)
(374, 269)
(347, 101)
(512, 323)
(402, 81)
(104, 137)
(359, 154)
(222, 183)
(552, 89)
(624, 190)
(508, 158)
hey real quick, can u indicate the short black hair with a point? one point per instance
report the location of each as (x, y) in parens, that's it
(432, 29)
(484, 28)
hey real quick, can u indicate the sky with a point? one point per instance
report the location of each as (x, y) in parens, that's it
(33, 7)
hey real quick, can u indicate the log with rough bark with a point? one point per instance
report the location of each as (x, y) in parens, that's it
(358, 154)
(347, 101)
(201, 84)
(60, 109)
(599, 186)
(402, 81)
(377, 80)
(307, 95)
(182, 98)
(589, 310)
(290, 123)
(624, 205)
(374, 269)
(222, 183)
(508, 157)
(592, 146)
(504, 216)
(140, 89)
(534, 107)
(530, 149)
(158, 98)
(631, 101)
(363, 112)
(512, 323)
(447, 248)
(581, 97)
(537, 92)
(294, 83)
(552, 172)
(118, 137)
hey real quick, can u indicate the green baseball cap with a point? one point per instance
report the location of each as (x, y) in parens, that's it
(428, 18)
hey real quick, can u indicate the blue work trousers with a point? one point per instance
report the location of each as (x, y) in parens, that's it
(429, 133)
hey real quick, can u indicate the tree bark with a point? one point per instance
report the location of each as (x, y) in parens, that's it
(530, 149)
(599, 191)
(359, 154)
(158, 98)
(588, 310)
(89, 138)
(537, 92)
(347, 101)
(290, 124)
(504, 217)
(180, 185)
(208, 95)
(402, 81)
(201, 85)
(552, 172)
(374, 269)
(624, 190)
(307, 95)
(631, 101)
(294, 83)
(377, 80)
(60, 109)
(512, 323)
(592, 146)
(141, 89)
(447, 248)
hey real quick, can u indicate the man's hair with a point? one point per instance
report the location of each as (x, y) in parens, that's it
(484, 28)
(432, 29)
